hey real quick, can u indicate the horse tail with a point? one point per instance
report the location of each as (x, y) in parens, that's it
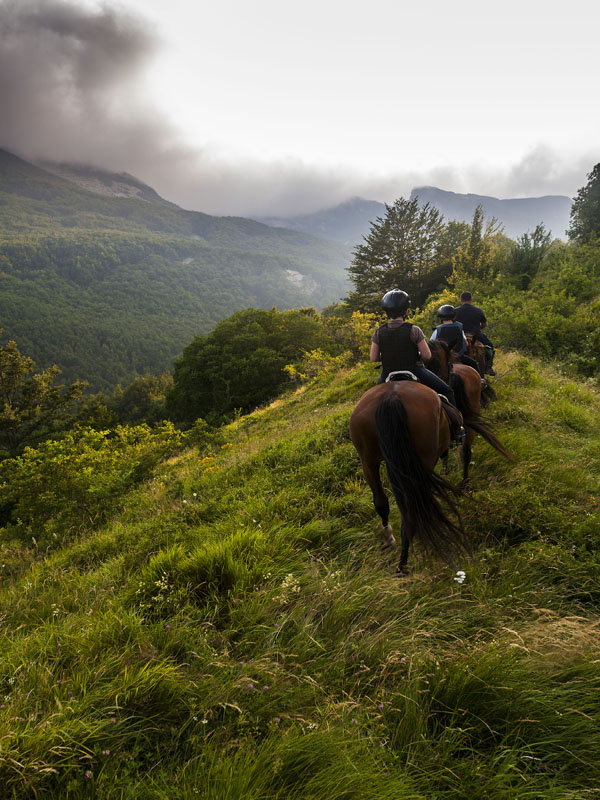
(472, 418)
(419, 492)
(488, 394)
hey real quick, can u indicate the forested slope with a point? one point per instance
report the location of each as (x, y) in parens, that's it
(108, 288)
(213, 617)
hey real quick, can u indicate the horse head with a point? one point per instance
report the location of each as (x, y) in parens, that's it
(441, 359)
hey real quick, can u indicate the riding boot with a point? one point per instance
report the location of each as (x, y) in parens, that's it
(455, 420)
(489, 360)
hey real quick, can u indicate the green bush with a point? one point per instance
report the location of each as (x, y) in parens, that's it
(64, 486)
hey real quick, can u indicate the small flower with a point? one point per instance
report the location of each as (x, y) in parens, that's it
(106, 752)
(277, 720)
(250, 686)
(205, 722)
(460, 576)
(354, 720)
(265, 688)
(89, 774)
(381, 706)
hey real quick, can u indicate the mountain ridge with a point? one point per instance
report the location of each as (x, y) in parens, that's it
(351, 220)
(109, 287)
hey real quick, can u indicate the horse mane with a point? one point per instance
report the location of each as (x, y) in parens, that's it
(441, 357)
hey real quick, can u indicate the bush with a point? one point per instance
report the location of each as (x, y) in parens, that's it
(64, 486)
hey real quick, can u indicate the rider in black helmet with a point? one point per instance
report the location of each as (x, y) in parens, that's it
(400, 345)
(450, 331)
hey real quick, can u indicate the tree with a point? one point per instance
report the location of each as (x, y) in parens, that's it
(241, 363)
(585, 211)
(527, 256)
(143, 400)
(405, 249)
(32, 406)
(477, 261)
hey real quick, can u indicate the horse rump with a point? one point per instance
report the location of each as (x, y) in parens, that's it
(419, 492)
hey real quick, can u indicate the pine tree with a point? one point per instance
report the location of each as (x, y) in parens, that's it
(403, 250)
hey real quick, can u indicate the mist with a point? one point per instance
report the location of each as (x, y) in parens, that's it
(73, 89)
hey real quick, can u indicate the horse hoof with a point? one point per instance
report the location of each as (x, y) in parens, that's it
(389, 540)
(401, 571)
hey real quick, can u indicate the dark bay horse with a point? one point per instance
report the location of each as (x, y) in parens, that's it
(476, 351)
(467, 386)
(403, 424)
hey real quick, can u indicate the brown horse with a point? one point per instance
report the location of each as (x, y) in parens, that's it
(403, 424)
(468, 390)
(476, 351)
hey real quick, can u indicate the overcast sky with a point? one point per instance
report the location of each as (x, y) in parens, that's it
(275, 107)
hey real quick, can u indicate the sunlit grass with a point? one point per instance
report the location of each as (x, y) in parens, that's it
(234, 630)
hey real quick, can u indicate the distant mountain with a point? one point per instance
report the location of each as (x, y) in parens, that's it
(518, 215)
(347, 222)
(350, 221)
(102, 182)
(109, 287)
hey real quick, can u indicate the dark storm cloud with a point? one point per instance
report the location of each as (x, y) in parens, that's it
(70, 90)
(69, 79)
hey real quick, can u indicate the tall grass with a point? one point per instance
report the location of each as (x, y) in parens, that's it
(232, 629)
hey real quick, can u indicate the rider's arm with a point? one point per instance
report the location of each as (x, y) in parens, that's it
(375, 355)
(463, 348)
(424, 350)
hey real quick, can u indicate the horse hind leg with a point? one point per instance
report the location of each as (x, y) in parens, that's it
(465, 456)
(405, 539)
(381, 503)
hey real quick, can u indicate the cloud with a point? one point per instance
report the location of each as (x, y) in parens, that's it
(71, 89)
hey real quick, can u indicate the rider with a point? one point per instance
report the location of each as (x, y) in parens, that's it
(473, 321)
(451, 331)
(400, 345)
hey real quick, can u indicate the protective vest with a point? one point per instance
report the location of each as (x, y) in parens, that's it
(396, 350)
(452, 335)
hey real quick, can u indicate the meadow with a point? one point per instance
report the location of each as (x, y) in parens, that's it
(227, 627)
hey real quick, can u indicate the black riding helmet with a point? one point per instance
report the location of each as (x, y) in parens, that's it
(446, 312)
(395, 303)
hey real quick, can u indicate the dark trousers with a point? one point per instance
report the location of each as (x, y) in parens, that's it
(427, 378)
(484, 339)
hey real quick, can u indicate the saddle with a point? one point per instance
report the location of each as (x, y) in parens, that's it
(401, 375)
(453, 415)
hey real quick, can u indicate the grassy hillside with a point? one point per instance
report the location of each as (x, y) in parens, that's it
(230, 629)
(109, 287)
